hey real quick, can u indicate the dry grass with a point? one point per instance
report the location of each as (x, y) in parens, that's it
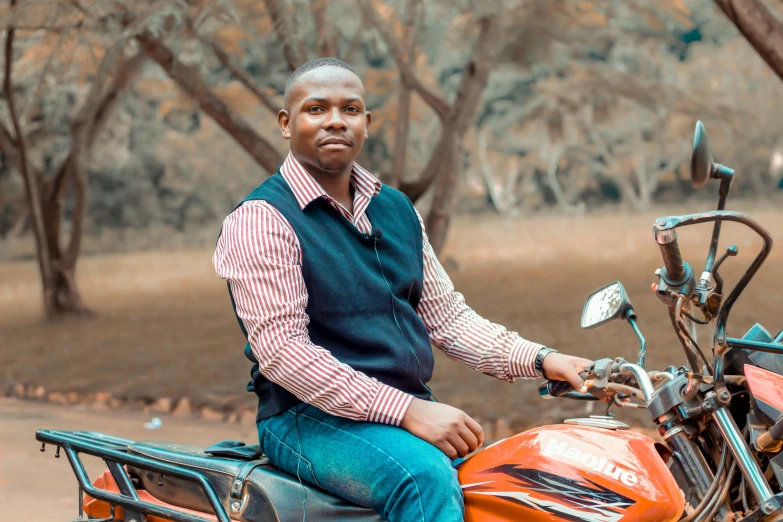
(164, 325)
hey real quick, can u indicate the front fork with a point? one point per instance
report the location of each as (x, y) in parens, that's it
(698, 473)
(769, 503)
(695, 470)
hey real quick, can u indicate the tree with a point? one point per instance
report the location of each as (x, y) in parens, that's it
(759, 27)
(46, 192)
(456, 117)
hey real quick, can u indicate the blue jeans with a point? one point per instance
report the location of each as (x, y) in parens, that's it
(400, 476)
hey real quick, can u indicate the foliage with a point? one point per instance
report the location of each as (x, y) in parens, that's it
(588, 102)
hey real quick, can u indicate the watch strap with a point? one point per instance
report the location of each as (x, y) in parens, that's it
(539, 362)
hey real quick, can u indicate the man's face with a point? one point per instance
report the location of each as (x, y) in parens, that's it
(326, 119)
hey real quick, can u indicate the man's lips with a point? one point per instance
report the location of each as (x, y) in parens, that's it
(335, 143)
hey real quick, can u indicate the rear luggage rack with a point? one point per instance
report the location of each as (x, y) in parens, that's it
(114, 452)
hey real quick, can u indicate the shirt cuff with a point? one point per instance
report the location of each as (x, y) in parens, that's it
(522, 359)
(389, 406)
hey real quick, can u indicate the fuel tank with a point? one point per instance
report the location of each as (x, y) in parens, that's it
(574, 473)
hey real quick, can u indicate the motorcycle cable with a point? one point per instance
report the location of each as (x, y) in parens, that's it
(720, 498)
(709, 495)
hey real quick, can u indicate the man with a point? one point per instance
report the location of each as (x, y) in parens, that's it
(340, 294)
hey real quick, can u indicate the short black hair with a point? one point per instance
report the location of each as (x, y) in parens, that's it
(309, 66)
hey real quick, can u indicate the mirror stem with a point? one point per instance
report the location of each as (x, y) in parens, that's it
(726, 176)
(630, 316)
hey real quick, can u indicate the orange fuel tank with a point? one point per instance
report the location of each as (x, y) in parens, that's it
(570, 472)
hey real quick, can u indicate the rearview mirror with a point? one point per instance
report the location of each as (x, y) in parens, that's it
(605, 304)
(701, 160)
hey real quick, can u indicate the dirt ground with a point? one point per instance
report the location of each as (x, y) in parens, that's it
(54, 496)
(164, 326)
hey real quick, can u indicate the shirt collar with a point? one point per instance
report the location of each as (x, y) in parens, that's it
(306, 189)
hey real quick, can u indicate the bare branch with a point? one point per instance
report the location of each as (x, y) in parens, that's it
(242, 76)
(476, 75)
(461, 113)
(759, 27)
(434, 100)
(463, 110)
(8, 145)
(327, 42)
(504, 201)
(79, 6)
(129, 70)
(416, 188)
(36, 93)
(293, 50)
(192, 82)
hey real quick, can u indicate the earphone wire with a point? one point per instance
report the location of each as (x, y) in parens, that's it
(299, 463)
(394, 314)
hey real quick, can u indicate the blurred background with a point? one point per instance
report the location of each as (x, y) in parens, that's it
(539, 139)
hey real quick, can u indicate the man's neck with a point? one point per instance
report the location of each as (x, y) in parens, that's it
(336, 184)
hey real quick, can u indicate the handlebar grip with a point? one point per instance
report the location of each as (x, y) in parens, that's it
(558, 388)
(672, 260)
(563, 389)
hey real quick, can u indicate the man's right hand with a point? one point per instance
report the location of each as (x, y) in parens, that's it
(450, 430)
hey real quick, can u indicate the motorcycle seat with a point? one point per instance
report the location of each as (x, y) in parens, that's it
(249, 486)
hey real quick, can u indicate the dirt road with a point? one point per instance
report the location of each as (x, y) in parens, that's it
(36, 487)
(164, 326)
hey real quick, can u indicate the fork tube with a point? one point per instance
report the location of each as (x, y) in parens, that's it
(750, 468)
(697, 471)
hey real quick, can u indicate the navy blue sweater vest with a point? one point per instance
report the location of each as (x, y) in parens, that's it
(352, 311)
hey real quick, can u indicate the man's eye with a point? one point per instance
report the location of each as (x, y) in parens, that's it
(315, 109)
(352, 109)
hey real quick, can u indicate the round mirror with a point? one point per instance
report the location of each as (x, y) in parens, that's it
(701, 160)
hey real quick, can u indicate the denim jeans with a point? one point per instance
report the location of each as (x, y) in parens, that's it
(400, 476)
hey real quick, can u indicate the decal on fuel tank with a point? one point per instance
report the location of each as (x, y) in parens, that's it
(555, 448)
(579, 501)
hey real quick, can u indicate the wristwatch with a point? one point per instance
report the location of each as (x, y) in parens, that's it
(539, 363)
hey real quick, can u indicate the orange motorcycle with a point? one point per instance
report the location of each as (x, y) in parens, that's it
(721, 418)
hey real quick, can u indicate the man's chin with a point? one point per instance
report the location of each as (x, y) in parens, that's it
(335, 165)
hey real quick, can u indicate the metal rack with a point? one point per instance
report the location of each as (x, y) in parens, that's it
(114, 452)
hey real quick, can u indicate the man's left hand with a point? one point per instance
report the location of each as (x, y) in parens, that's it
(561, 367)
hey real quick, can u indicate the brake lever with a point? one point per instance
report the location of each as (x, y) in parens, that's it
(710, 304)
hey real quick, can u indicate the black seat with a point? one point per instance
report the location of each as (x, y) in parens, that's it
(251, 488)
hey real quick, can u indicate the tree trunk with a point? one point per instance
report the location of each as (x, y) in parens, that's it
(192, 82)
(402, 126)
(759, 27)
(556, 152)
(462, 113)
(445, 197)
(31, 187)
(61, 294)
(401, 130)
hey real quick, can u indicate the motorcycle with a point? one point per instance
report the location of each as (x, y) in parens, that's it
(721, 421)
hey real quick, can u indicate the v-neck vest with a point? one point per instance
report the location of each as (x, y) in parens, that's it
(362, 293)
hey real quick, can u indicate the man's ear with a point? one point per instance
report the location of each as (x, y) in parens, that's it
(368, 118)
(283, 121)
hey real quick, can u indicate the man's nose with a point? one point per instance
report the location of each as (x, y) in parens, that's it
(335, 120)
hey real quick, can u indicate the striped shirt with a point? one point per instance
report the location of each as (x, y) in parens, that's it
(259, 255)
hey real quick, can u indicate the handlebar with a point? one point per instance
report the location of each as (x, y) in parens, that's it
(563, 389)
(603, 371)
(672, 259)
